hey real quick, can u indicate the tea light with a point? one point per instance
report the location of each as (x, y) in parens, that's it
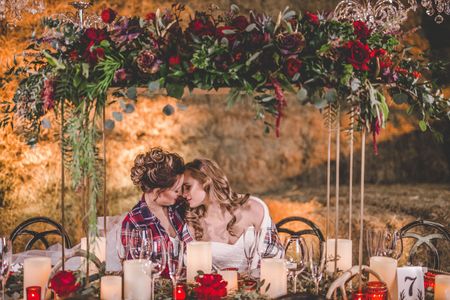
(98, 247)
(179, 293)
(429, 278)
(359, 295)
(36, 272)
(386, 267)
(198, 258)
(33, 293)
(137, 284)
(231, 277)
(344, 253)
(274, 272)
(442, 287)
(111, 288)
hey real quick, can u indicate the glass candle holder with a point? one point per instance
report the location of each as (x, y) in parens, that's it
(429, 280)
(359, 295)
(179, 293)
(376, 290)
(33, 293)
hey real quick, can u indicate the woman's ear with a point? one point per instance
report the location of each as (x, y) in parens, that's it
(155, 193)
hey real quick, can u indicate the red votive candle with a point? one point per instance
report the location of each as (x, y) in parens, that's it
(179, 293)
(429, 280)
(359, 295)
(33, 293)
(376, 290)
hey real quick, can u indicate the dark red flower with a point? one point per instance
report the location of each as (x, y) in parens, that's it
(239, 22)
(291, 43)
(358, 55)
(312, 18)
(64, 283)
(95, 35)
(211, 287)
(416, 74)
(148, 62)
(108, 15)
(120, 75)
(226, 32)
(150, 16)
(48, 95)
(73, 55)
(174, 60)
(258, 39)
(361, 30)
(292, 66)
(201, 27)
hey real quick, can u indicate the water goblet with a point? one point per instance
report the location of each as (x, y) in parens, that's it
(5, 262)
(296, 257)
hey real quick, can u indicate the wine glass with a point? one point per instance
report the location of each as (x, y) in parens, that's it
(251, 238)
(175, 256)
(392, 244)
(272, 246)
(140, 243)
(122, 244)
(296, 257)
(158, 261)
(374, 242)
(316, 266)
(5, 261)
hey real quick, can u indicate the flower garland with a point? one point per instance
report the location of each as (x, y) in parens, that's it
(324, 61)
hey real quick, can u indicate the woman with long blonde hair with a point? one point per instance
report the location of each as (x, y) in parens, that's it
(221, 216)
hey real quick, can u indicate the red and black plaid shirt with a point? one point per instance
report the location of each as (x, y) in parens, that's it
(141, 217)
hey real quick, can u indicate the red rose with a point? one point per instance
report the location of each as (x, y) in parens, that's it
(240, 22)
(95, 35)
(416, 74)
(361, 30)
(231, 37)
(358, 55)
(73, 55)
(64, 283)
(174, 60)
(312, 18)
(108, 15)
(201, 27)
(292, 66)
(150, 16)
(211, 287)
(290, 43)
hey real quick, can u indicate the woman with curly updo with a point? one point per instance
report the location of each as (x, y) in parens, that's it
(221, 216)
(159, 174)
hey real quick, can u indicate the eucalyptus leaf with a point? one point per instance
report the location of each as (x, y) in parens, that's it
(132, 93)
(400, 98)
(168, 110)
(355, 84)
(175, 90)
(153, 86)
(423, 125)
(302, 94)
(250, 27)
(45, 123)
(109, 124)
(117, 116)
(129, 108)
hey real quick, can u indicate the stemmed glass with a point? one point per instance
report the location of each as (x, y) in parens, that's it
(374, 242)
(140, 243)
(251, 238)
(123, 249)
(316, 266)
(158, 260)
(392, 244)
(175, 257)
(296, 257)
(5, 261)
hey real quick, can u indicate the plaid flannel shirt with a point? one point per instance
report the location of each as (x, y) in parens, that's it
(141, 217)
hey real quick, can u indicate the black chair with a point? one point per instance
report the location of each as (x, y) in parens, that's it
(424, 239)
(301, 296)
(57, 229)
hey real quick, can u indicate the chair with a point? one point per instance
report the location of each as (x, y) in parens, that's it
(425, 239)
(313, 229)
(22, 229)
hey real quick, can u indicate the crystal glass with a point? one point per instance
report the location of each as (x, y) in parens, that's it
(251, 238)
(5, 261)
(374, 242)
(296, 257)
(316, 266)
(122, 244)
(175, 259)
(158, 260)
(140, 243)
(392, 244)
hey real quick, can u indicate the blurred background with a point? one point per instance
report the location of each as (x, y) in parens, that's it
(407, 180)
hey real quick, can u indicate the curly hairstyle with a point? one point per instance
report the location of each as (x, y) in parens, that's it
(156, 169)
(217, 188)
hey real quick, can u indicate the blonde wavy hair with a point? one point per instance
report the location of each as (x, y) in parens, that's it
(217, 188)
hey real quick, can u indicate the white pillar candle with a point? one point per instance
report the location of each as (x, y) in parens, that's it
(386, 267)
(274, 272)
(344, 254)
(198, 258)
(36, 272)
(98, 247)
(111, 288)
(442, 287)
(137, 284)
(231, 277)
